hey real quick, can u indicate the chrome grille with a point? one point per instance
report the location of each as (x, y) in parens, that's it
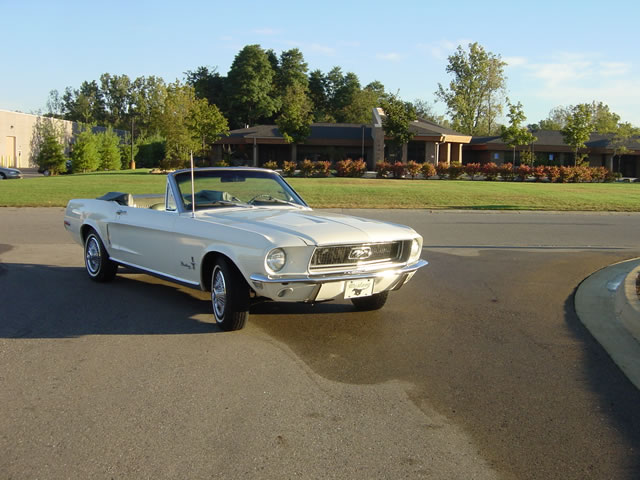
(350, 255)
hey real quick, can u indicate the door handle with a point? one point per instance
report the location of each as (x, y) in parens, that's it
(121, 212)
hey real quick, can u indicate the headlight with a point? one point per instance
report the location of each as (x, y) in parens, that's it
(276, 259)
(415, 250)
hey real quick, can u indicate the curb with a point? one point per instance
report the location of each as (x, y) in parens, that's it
(607, 304)
(628, 304)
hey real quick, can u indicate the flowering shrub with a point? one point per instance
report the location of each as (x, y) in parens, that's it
(455, 170)
(506, 172)
(490, 171)
(473, 170)
(442, 169)
(427, 169)
(289, 168)
(413, 169)
(383, 169)
(271, 164)
(399, 170)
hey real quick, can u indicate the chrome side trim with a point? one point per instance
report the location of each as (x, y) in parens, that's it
(314, 279)
(155, 273)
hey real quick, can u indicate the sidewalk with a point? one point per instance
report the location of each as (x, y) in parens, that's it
(607, 304)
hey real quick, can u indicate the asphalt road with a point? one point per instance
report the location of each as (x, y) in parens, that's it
(478, 368)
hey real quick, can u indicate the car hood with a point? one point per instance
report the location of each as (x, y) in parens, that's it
(313, 228)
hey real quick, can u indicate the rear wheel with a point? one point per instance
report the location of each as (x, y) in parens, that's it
(229, 297)
(372, 302)
(96, 259)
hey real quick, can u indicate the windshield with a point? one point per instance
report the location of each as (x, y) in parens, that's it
(230, 187)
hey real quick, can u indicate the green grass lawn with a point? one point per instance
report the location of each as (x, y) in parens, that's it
(353, 193)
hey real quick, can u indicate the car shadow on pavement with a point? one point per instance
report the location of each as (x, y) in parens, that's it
(60, 302)
(618, 397)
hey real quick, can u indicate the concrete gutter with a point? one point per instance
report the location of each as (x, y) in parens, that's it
(607, 304)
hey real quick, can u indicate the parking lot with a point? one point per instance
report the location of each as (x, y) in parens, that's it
(478, 368)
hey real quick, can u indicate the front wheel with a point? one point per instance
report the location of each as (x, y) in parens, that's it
(229, 297)
(372, 302)
(96, 259)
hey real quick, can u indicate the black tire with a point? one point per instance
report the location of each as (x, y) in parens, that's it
(96, 259)
(2, 177)
(229, 296)
(372, 302)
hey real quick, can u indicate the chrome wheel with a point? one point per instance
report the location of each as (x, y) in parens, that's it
(93, 257)
(218, 294)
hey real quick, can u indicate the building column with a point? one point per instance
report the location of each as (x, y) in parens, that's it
(405, 152)
(456, 152)
(445, 153)
(255, 153)
(609, 162)
(294, 152)
(430, 153)
(378, 147)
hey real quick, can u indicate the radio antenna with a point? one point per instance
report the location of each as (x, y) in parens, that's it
(193, 191)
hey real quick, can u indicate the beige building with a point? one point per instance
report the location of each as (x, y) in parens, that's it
(17, 137)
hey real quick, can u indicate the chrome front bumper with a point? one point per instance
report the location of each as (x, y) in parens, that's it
(312, 288)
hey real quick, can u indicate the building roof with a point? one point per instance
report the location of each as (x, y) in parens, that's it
(554, 138)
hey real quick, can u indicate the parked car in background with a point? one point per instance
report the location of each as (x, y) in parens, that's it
(9, 173)
(246, 236)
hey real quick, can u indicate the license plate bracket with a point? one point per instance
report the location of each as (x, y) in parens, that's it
(358, 288)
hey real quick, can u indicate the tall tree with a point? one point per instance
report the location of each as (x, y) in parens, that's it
(397, 120)
(148, 98)
(207, 124)
(84, 155)
(292, 69)
(472, 97)
(85, 104)
(294, 122)
(180, 139)
(250, 86)
(108, 144)
(209, 84)
(578, 129)
(516, 135)
(622, 135)
(319, 96)
(427, 111)
(602, 118)
(116, 93)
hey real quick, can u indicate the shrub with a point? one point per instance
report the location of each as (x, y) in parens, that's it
(84, 156)
(413, 169)
(383, 169)
(109, 150)
(523, 172)
(399, 170)
(321, 168)
(221, 163)
(506, 172)
(428, 170)
(564, 174)
(289, 168)
(581, 174)
(151, 151)
(490, 171)
(539, 173)
(306, 168)
(442, 169)
(271, 164)
(473, 170)
(456, 169)
(351, 168)
(50, 156)
(553, 173)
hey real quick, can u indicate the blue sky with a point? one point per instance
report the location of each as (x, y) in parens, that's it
(558, 53)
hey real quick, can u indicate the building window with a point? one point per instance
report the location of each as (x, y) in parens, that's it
(496, 156)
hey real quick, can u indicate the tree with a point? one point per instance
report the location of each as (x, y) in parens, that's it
(295, 120)
(116, 94)
(602, 119)
(397, 119)
(176, 126)
(292, 70)
(49, 154)
(515, 135)
(318, 84)
(85, 156)
(472, 97)
(84, 105)
(578, 129)
(426, 111)
(250, 87)
(148, 96)
(208, 84)
(621, 136)
(207, 124)
(109, 150)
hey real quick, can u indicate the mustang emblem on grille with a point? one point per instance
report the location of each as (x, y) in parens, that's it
(360, 253)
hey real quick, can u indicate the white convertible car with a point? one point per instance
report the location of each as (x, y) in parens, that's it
(244, 235)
